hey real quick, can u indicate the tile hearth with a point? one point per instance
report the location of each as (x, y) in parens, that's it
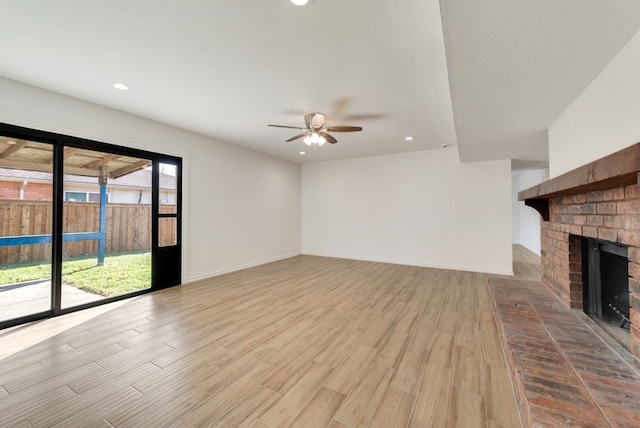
(564, 373)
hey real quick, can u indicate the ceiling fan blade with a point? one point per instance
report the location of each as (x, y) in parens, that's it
(339, 106)
(344, 129)
(295, 112)
(296, 137)
(328, 137)
(354, 117)
(288, 127)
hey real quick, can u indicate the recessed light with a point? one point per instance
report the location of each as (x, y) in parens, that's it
(299, 2)
(409, 138)
(121, 86)
(302, 153)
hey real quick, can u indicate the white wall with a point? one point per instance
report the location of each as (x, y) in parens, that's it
(241, 207)
(603, 119)
(526, 220)
(420, 208)
(131, 196)
(515, 207)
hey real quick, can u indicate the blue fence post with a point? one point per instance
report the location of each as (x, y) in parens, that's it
(102, 242)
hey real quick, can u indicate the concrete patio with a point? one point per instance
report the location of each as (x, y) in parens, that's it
(21, 299)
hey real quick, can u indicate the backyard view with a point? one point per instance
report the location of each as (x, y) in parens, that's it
(26, 287)
(120, 274)
(106, 226)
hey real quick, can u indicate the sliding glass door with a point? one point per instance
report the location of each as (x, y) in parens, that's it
(106, 250)
(83, 223)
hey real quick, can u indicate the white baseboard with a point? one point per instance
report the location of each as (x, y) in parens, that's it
(339, 256)
(239, 267)
(414, 263)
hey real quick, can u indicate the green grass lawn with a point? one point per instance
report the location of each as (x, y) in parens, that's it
(121, 273)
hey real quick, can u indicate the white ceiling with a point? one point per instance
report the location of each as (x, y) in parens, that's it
(227, 68)
(516, 65)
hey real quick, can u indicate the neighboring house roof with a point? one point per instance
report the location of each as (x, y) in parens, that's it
(140, 178)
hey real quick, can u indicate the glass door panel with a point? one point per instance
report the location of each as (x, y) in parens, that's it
(106, 226)
(167, 231)
(26, 209)
(167, 206)
(167, 251)
(167, 188)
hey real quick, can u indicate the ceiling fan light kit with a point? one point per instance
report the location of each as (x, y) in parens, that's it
(315, 132)
(314, 138)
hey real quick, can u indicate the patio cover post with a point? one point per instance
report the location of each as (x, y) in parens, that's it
(102, 241)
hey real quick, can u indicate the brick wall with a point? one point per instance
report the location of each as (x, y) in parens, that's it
(38, 192)
(610, 215)
(10, 189)
(32, 192)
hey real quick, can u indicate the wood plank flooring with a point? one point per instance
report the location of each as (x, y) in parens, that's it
(304, 342)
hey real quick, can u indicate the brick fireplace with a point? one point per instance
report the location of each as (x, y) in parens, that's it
(600, 201)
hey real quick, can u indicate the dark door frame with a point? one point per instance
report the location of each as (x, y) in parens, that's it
(165, 272)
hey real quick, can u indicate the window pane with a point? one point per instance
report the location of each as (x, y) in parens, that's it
(25, 228)
(107, 249)
(75, 196)
(167, 193)
(95, 197)
(167, 231)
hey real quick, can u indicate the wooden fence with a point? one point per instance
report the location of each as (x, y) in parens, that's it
(128, 228)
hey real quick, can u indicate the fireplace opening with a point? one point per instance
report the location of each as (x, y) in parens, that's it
(606, 286)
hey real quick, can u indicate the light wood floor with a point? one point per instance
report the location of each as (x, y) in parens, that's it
(526, 265)
(308, 342)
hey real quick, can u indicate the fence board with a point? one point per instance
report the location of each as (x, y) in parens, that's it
(14, 229)
(128, 228)
(4, 222)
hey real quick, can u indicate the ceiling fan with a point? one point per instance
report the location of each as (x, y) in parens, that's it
(315, 132)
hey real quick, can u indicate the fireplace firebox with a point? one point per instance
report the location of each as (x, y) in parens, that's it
(605, 278)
